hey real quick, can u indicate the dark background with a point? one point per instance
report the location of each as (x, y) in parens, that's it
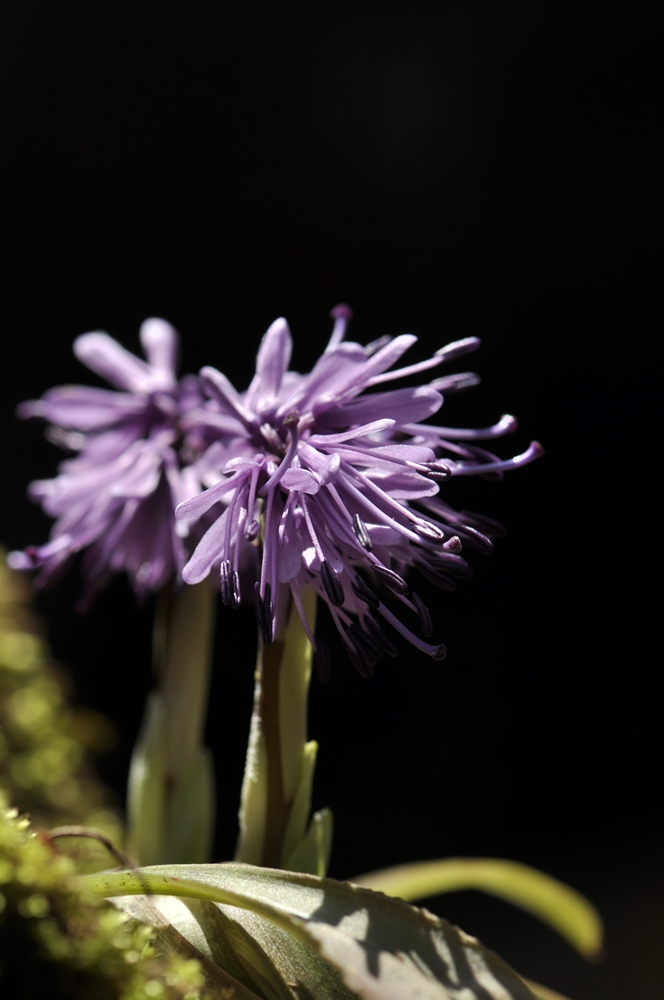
(449, 169)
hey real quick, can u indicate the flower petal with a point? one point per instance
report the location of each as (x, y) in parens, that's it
(109, 359)
(83, 408)
(401, 405)
(272, 362)
(161, 344)
(300, 480)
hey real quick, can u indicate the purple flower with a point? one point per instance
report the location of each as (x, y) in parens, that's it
(338, 488)
(116, 498)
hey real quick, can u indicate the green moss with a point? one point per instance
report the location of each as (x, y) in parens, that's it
(58, 941)
(45, 744)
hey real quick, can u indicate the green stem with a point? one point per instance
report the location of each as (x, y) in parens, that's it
(276, 793)
(278, 808)
(171, 787)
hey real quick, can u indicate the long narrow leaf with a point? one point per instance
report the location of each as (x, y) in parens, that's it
(563, 908)
(317, 930)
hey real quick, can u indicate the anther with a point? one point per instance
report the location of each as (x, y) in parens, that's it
(423, 613)
(366, 642)
(252, 531)
(390, 578)
(268, 613)
(225, 573)
(358, 658)
(457, 348)
(333, 588)
(360, 529)
(437, 579)
(455, 383)
(235, 589)
(453, 544)
(427, 530)
(378, 344)
(258, 604)
(376, 631)
(364, 592)
(436, 470)
(322, 661)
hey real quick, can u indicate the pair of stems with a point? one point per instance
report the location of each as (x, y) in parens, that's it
(171, 785)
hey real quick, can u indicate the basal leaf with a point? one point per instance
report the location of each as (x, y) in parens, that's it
(382, 948)
(563, 908)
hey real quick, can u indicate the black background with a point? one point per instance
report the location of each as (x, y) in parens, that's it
(449, 169)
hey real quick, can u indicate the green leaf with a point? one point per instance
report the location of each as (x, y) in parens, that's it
(563, 908)
(170, 939)
(328, 938)
(146, 803)
(543, 992)
(312, 854)
(294, 677)
(300, 810)
(190, 823)
(231, 947)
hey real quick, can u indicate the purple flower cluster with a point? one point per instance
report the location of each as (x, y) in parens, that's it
(325, 483)
(116, 497)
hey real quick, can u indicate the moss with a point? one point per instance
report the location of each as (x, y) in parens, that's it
(45, 745)
(59, 941)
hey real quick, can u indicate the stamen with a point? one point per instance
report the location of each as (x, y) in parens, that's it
(360, 529)
(457, 348)
(437, 470)
(378, 344)
(225, 572)
(427, 530)
(322, 661)
(420, 366)
(341, 315)
(253, 525)
(258, 606)
(291, 422)
(506, 425)
(268, 614)
(423, 614)
(390, 578)
(297, 601)
(235, 591)
(359, 659)
(437, 579)
(385, 644)
(365, 641)
(534, 450)
(364, 592)
(453, 544)
(312, 530)
(252, 531)
(437, 652)
(331, 583)
(455, 383)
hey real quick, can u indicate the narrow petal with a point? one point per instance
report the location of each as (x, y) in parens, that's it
(83, 408)
(375, 427)
(208, 551)
(300, 480)
(273, 359)
(199, 504)
(104, 356)
(404, 406)
(218, 387)
(161, 344)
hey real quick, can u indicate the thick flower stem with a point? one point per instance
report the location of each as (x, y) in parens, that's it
(278, 809)
(171, 786)
(275, 827)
